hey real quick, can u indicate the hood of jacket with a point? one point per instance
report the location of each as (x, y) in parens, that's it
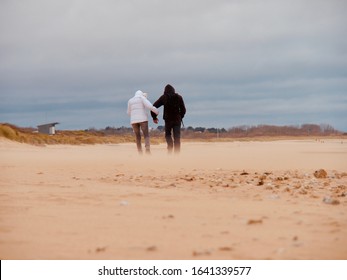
(169, 90)
(139, 93)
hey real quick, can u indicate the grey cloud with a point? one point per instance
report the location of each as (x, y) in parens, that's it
(86, 56)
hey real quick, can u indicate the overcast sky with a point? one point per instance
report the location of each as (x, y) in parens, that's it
(235, 62)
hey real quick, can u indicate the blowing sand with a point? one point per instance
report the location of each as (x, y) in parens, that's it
(237, 200)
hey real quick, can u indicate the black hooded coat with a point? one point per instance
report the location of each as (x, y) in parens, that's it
(174, 108)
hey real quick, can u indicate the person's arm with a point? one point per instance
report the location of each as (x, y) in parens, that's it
(157, 104)
(149, 106)
(182, 108)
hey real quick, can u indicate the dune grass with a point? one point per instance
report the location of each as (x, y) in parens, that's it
(78, 137)
(91, 137)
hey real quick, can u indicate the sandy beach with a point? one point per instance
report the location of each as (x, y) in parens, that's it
(235, 200)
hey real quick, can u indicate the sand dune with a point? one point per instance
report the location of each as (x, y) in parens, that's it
(237, 200)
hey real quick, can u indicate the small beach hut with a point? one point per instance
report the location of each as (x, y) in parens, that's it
(48, 128)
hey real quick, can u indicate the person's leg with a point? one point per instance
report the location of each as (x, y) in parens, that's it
(136, 128)
(177, 137)
(144, 128)
(168, 137)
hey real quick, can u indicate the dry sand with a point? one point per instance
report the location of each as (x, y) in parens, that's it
(237, 200)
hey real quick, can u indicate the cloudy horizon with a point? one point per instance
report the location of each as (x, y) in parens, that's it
(234, 62)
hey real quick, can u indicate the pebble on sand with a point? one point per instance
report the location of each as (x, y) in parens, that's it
(330, 200)
(320, 174)
(253, 222)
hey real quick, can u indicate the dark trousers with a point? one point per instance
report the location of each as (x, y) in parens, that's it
(137, 127)
(175, 143)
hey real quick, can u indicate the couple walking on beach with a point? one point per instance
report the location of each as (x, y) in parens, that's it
(174, 111)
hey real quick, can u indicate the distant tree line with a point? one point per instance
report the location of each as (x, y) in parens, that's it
(237, 131)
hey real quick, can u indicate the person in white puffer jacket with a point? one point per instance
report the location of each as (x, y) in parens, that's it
(137, 110)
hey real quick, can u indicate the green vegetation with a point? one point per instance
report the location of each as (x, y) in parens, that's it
(111, 135)
(78, 137)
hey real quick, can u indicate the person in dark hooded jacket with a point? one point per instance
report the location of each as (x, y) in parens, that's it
(174, 111)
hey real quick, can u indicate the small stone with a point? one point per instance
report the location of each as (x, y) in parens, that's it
(100, 249)
(332, 201)
(225, 249)
(261, 182)
(253, 222)
(169, 217)
(124, 203)
(201, 253)
(320, 174)
(189, 178)
(303, 192)
(274, 197)
(151, 248)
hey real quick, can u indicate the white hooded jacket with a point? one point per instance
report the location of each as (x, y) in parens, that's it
(137, 108)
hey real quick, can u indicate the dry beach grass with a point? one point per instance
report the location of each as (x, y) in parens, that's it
(230, 200)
